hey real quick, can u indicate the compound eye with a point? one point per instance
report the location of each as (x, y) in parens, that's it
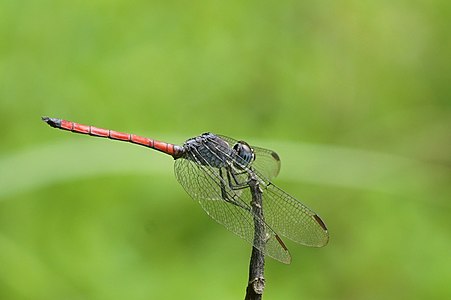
(245, 152)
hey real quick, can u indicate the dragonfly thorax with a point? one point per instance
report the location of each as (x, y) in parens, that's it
(211, 150)
(208, 149)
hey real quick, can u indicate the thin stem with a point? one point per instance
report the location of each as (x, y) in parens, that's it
(256, 284)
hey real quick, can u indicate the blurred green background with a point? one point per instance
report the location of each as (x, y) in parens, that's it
(353, 95)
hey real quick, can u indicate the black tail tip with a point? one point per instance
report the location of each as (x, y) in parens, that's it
(52, 121)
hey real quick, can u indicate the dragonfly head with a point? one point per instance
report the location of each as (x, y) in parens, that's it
(245, 154)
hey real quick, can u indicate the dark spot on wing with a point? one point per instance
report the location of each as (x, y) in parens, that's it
(320, 222)
(275, 156)
(281, 243)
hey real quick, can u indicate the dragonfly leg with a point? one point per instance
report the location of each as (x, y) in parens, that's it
(236, 184)
(226, 196)
(223, 190)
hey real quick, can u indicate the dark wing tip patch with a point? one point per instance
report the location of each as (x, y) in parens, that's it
(320, 222)
(281, 242)
(275, 156)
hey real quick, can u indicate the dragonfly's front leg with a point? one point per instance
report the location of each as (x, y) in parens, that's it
(229, 197)
(233, 175)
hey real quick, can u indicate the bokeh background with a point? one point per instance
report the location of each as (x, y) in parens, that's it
(354, 96)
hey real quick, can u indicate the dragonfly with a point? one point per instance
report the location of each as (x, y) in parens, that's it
(215, 170)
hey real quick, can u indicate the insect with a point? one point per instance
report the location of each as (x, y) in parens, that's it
(215, 170)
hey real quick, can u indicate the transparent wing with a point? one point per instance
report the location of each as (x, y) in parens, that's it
(292, 219)
(210, 187)
(267, 162)
(282, 212)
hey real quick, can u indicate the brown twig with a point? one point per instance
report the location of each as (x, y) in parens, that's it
(256, 284)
